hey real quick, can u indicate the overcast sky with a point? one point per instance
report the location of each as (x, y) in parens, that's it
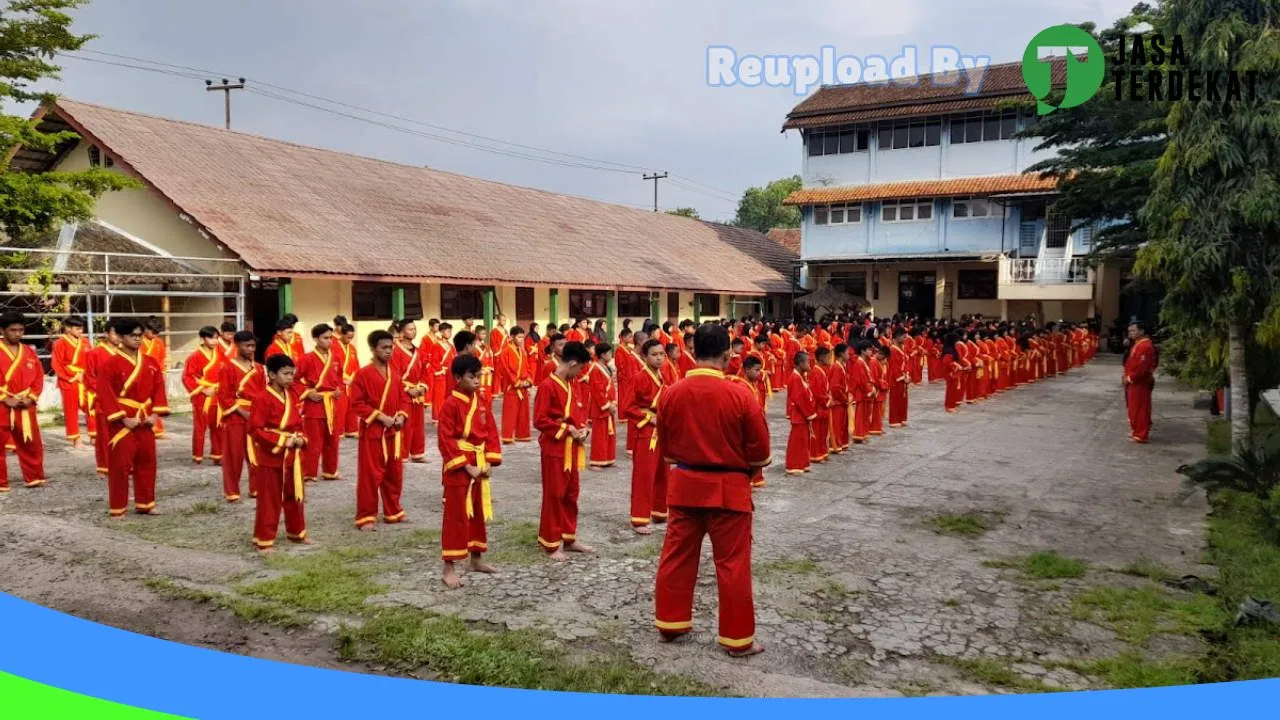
(624, 82)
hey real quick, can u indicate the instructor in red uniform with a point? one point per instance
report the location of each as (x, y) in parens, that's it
(1139, 379)
(714, 434)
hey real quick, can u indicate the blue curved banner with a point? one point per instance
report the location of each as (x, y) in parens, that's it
(55, 651)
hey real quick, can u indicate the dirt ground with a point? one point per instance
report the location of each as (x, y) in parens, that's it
(898, 568)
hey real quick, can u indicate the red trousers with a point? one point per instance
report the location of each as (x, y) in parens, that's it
(415, 429)
(235, 445)
(437, 395)
(204, 419)
(876, 427)
(648, 480)
(30, 452)
(917, 371)
(631, 437)
(100, 440)
(604, 441)
(897, 404)
(1138, 398)
(954, 393)
(461, 535)
(515, 416)
(818, 450)
(134, 455)
(559, 520)
(678, 573)
(861, 421)
(351, 428)
(380, 477)
(971, 385)
(276, 494)
(839, 433)
(321, 451)
(71, 408)
(798, 447)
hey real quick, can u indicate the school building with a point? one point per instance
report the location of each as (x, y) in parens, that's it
(915, 196)
(278, 227)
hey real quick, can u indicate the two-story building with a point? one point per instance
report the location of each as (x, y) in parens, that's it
(915, 197)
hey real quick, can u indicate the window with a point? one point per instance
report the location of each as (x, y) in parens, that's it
(919, 132)
(854, 283)
(707, 304)
(983, 127)
(633, 304)
(841, 141)
(973, 208)
(586, 304)
(906, 210)
(673, 306)
(373, 301)
(850, 214)
(524, 304)
(461, 301)
(95, 156)
(976, 285)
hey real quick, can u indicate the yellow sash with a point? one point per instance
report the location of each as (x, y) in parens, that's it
(143, 408)
(486, 496)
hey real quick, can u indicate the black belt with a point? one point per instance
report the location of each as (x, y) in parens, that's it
(713, 469)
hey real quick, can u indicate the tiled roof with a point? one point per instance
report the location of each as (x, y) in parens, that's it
(290, 210)
(919, 95)
(955, 187)
(788, 238)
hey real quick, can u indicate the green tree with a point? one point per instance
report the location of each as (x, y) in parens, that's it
(32, 32)
(1214, 211)
(761, 209)
(685, 212)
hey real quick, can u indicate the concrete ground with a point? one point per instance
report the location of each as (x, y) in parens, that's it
(857, 590)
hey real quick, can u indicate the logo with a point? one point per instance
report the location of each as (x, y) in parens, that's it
(801, 73)
(1086, 66)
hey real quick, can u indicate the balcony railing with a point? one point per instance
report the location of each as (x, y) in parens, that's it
(1044, 271)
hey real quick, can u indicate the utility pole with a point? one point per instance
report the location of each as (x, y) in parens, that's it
(655, 178)
(226, 87)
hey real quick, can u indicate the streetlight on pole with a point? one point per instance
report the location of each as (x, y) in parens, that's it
(226, 87)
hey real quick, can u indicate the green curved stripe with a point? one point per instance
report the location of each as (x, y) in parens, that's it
(22, 698)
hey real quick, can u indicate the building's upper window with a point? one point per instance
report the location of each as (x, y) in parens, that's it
(983, 127)
(839, 142)
(973, 208)
(914, 133)
(850, 214)
(906, 210)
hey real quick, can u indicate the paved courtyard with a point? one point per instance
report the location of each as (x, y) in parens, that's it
(857, 590)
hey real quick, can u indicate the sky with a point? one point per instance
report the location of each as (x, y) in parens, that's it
(621, 85)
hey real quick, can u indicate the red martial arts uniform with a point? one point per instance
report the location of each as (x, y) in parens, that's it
(953, 395)
(319, 375)
(715, 435)
(558, 406)
(379, 391)
(131, 387)
(97, 360)
(70, 355)
(624, 360)
(440, 360)
(838, 434)
(604, 430)
(1139, 379)
(685, 363)
(278, 472)
(280, 346)
(156, 348)
(862, 392)
(200, 379)
(350, 366)
(19, 427)
(648, 471)
(497, 343)
(802, 412)
(819, 439)
(408, 365)
(513, 368)
(899, 376)
(757, 474)
(238, 383)
(467, 435)
(882, 391)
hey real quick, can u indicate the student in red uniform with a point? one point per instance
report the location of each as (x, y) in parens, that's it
(131, 391)
(200, 379)
(1139, 379)
(514, 375)
(840, 399)
(561, 414)
(735, 357)
(319, 383)
(23, 379)
(626, 362)
(604, 399)
(685, 361)
(953, 373)
(496, 342)
(276, 431)
(98, 357)
(153, 345)
(648, 471)
(239, 380)
(753, 379)
(283, 342)
(227, 340)
(881, 380)
(469, 448)
(382, 404)
(671, 369)
(802, 411)
(440, 359)
(899, 376)
(344, 343)
(409, 362)
(862, 390)
(716, 436)
(70, 353)
(820, 384)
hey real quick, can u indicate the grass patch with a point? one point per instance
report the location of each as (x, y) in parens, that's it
(248, 610)
(997, 673)
(1049, 565)
(332, 581)
(1146, 568)
(1133, 670)
(411, 640)
(1218, 439)
(1138, 614)
(204, 507)
(951, 603)
(966, 525)
(916, 688)
(516, 544)
(834, 591)
(777, 570)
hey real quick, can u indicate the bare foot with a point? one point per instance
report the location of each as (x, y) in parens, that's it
(480, 566)
(642, 529)
(450, 576)
(266, 550)
(117, 517)
(558, 555)
(303, 541)
(578, 547)
(755, 649)
(151, 513)
(367, 528)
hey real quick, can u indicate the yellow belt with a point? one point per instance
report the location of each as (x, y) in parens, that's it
(80, 389)
(27, 427)
(142, 407)
(486, 496)
(395, 444)
(297, 462)
(581, 454)
(649, 417)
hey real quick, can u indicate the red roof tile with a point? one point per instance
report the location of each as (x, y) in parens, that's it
(788, 238)
(955, 187)
(290, 210)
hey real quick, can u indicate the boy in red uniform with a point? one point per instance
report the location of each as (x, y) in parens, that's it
(381, 402)
(285, 341)
(154, 346)
(131, 393)
(200, 379)
(1139, 379)
(752, 379)
(648, 471)
(276, 431)
(350, 366)
(716, 435)
(840, 399)
(469, 447)
(879, 356)
(97, 359)
(409, 362)
(899, 376)
(802, 411)
(319, 373)
(560, 414)
(239, 380)
(514, 373)
(820, 384)
(70, 353)
(439, 360)
(627, 362)
(862, 391)
(604, 399)
(23, 379)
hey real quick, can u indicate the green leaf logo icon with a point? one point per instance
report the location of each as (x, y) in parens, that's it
(1086, 66)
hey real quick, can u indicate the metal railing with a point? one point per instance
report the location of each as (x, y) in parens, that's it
(1044, 271)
